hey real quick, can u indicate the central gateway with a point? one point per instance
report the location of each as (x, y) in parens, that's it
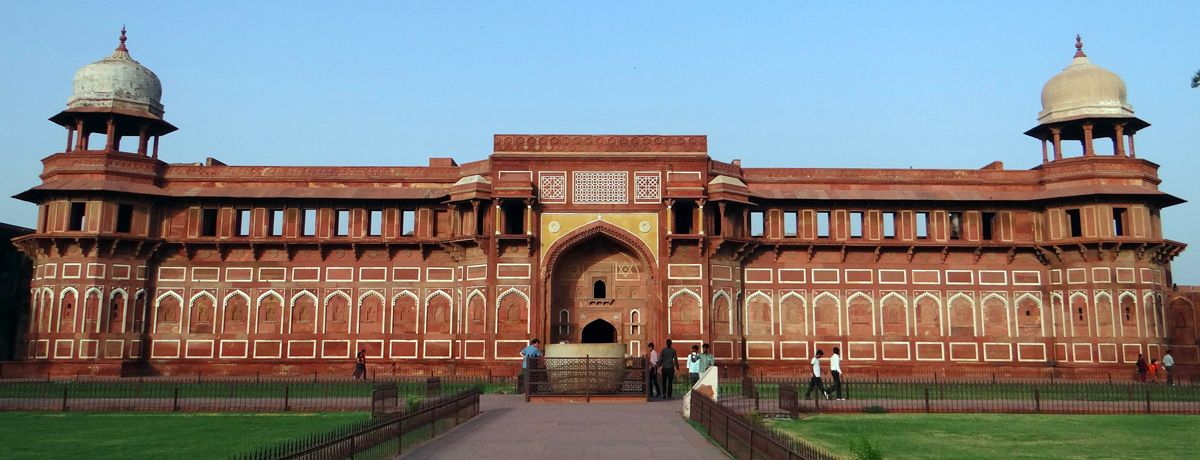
(600, 295)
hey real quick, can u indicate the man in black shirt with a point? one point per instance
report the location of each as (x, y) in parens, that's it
(667, 361)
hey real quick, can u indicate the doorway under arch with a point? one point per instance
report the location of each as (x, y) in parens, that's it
(599, 331)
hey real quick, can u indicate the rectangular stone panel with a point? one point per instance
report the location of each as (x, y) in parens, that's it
(1060, 352)
(268, 349)
(1026, 278)
(896, 351)
(211, 274)
(302, 349)
(437, 349)
(71, 271)
(306, 274)
(825, 276)
(234, 349)
(406, 274)
(239, 274)
(512, 271)
(88, 348)
(725, 273)
(402, 348)
(474, 349)
(439, 274)
(339, 274)
(1031, 352)
(164, 349)
(931, 351)
(960, 351)
(1101, 275)
(893, 277)
(1106, 352)
(1130, 352)
(199, 349)
(857, 351)
(1126, 275)
(114, 348)
(722, 350)
(336, 349)
(793, 350)
(509, 349)
(374, 348)
(476, 272)
(926, 277)
(960, 277)
(759, 275)
(1082, 352)
(372, 274)
(691, 272)
(759, 350)
(997, 352)
(172, 273)
(858, 276)
(95, 271)
(993, 277)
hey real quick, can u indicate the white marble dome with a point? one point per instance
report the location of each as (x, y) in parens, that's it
(1083, 90)
(117, 82)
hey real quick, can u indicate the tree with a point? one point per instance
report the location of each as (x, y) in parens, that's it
(1196, 79)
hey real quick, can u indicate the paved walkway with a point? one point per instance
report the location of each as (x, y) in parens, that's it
(510, 428)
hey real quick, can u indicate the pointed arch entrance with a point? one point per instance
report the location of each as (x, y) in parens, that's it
(598, 331)
(600, 286)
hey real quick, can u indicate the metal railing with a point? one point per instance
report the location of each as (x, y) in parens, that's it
(788, 398)
(380, 437)
(746, 438)
(174, 394)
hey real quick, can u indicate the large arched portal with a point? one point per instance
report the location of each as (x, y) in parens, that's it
(598, 331)
(604, 284)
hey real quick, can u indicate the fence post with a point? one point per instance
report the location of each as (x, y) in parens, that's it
(1147, 401)
(1037, 401)
(286, 406)
(400, 438)
(64, 404)
(175, 406)
(816, 403)
(926, 400)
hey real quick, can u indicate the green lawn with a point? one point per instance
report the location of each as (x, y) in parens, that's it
(40, 435)
(1004, 436)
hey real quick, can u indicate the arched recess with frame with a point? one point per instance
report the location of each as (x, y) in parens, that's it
(476, 320)
(860, 315)
(303, 313)
(268, 313)
(793, 315)
(93, 299)
(118, 311)
(168, 308)
(1105, 318)
(1030, 315)
(893, 315)
(235, 317)
(370, 313)
(827, 313)
(995, 316)
(684, 313)
(405, 317)
(512, 312)
(960, 308)
(202, 316)
(722, 306)
(927, 315)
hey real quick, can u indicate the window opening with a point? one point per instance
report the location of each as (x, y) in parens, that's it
(790, 223)
(598, 290)
(757, 223)
(243, 222)
(922, 223)
(856, 224)
(988, 226)
(1075, 222)
(1118, 221)
(375, 222)
(822, 224)
(889, 225)
(124, 218)
(341, 222)
(309, 224)
(955, 225)
(276, 222)
(208, 222)
(78, 217)
(408, 222)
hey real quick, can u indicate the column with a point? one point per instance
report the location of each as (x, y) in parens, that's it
(497, 216)
(70, 138)
(529, 217)
(721, 215)
(670, 227)
(1119, 139)
(700, 214)
(1089, 149)
(475, 230)
(143, 139)
(155, 147)
(1045, 155)
(1132, 150)
(1056, 134)
(81, 141)
(111, 143)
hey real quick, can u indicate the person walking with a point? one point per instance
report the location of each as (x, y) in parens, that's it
(693, 366)
(815, 381)
(1168, 363)
(360, 365)
(706, 359)
(1142, 368)
(835, 371)
(1155, 370)
(668, 360)
(652, 388)
(530, 353)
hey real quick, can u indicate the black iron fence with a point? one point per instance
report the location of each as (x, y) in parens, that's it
(227, 395)
(792, 397)
(586, 377)
(747, 438)
(380, 437)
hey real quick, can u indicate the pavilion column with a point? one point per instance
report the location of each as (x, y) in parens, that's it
(1056, 135)
(721, 215)
(1119, 139)
(156, 147)
(143, 139)
(498, 217)
(81, 140)
(670, 217)
(700, 213)
(1045, 154)
(475, 218)
(1089, 147)
(111, 143)
(1132, 150)
(529, 217)
(70, 138)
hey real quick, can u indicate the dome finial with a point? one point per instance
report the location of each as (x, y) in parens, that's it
(1079, 46)
(122, 47)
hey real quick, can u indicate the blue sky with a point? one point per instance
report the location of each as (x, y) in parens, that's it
(887, 84)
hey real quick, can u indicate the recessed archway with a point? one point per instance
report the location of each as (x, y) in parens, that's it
(599, 331)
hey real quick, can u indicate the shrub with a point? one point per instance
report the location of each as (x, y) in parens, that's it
(875, 409)
(862, 449)
(413, 403)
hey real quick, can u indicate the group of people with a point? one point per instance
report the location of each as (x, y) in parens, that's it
(835, 371)
(661, 368)
(1154, 371)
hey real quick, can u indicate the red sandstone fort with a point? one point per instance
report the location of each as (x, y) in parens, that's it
(144, 266)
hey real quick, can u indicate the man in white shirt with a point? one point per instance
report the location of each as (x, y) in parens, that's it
(835, 369)
(693, 366)
(815, 381)
(1169, 363)
(652, 387)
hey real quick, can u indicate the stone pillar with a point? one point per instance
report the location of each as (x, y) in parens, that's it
(1132, 150)
(721, 215)
(475, 230)
(1119, 139)
(1045, 155)
(498, 212)
(143, 139)
(529, 217)
(156, 147)
(111, 142)
(1089, 148)
(700, 215)
(81, 141)
(1056, 134)
(670, 217)
(70, 138)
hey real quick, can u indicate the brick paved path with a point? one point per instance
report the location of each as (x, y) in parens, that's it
(510, 428)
